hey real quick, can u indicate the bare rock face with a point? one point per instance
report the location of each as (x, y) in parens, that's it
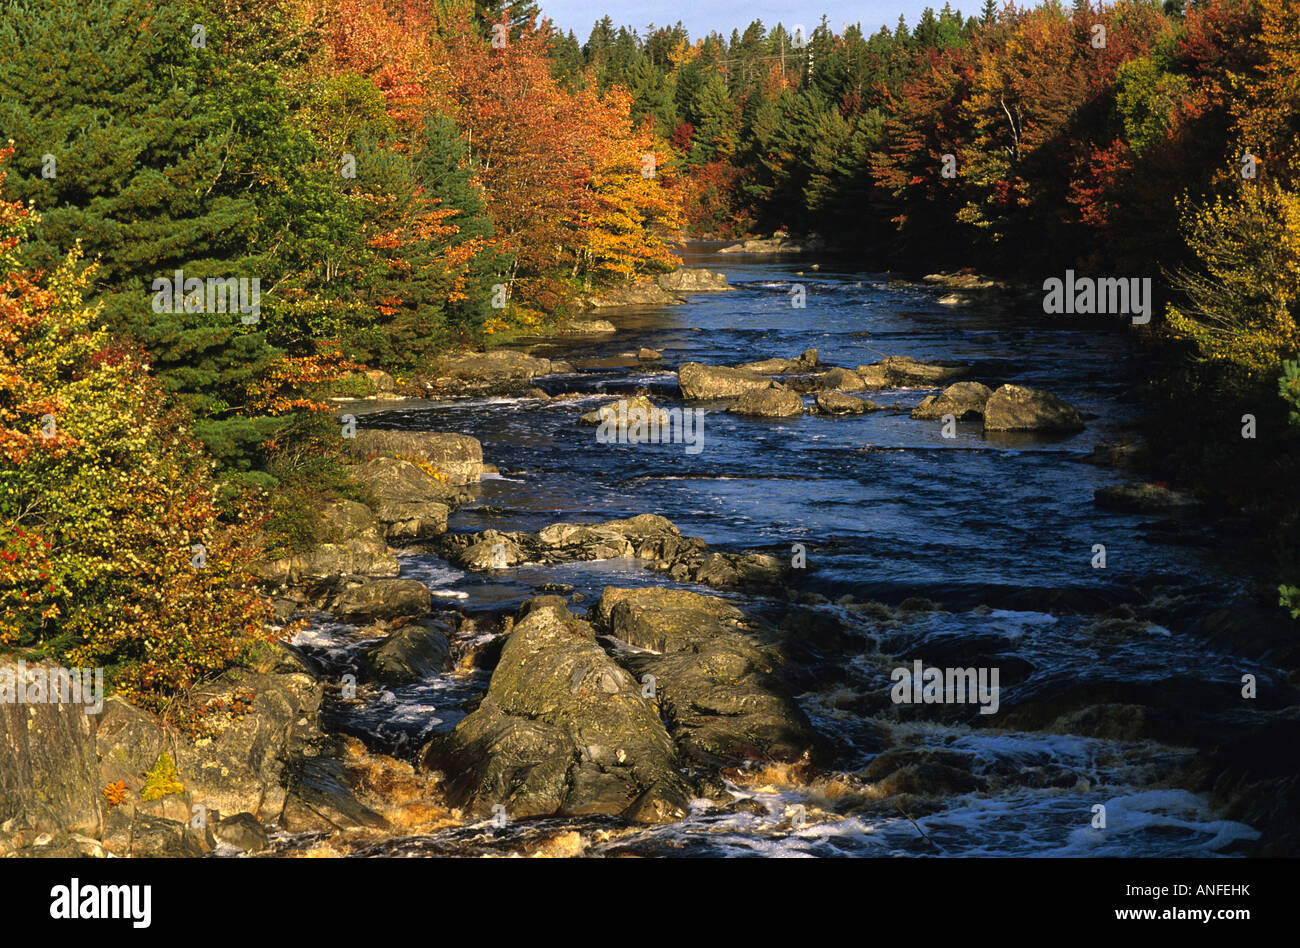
(48, 767)
(959, 399)
(769, 403)
(562, 730)
(1015, 408)
(711, 382)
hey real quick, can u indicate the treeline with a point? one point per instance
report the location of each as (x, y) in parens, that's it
(1131, 139)
(213, 214)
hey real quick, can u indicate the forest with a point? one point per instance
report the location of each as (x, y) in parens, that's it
(405, 178)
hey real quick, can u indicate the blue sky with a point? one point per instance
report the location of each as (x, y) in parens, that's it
(724, 15)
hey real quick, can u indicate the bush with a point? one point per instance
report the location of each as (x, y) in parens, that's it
(114, 551)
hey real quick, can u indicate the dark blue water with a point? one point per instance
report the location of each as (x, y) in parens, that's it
(999, 532)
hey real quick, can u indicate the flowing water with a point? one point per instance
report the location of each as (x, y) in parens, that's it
(999, 533)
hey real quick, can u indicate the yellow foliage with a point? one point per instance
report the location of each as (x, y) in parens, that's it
(161, 780)
(1242, 300)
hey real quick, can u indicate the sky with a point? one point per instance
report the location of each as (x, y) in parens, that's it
(704, 16)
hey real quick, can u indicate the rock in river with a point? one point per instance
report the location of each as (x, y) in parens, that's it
(769, 403)
(1015, 408)
(562, 730)
(960, 399)
(708, 382)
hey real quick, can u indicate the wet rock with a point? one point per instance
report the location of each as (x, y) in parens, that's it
(1144, 498)
(837, 403)
(1015, 408)
(768, 403)
(649, 355)
(740, 570)
(693, 280)
(385, 599)
(961, 399)
(412, 653)
(922, 773)
(637, 410)
(458, 457)
(562, 729)
(354, 546)
(709, 382)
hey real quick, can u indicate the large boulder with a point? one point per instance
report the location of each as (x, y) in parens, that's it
(385, 599)
(959, 399)
(562, 730)
(354, 545)
(710, 382)
(456, 456)
(1015, 408)
(719, 690)
(409, 501)
(693, 280)
(768, 403)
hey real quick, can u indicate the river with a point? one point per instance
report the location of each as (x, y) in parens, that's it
(989, 544)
